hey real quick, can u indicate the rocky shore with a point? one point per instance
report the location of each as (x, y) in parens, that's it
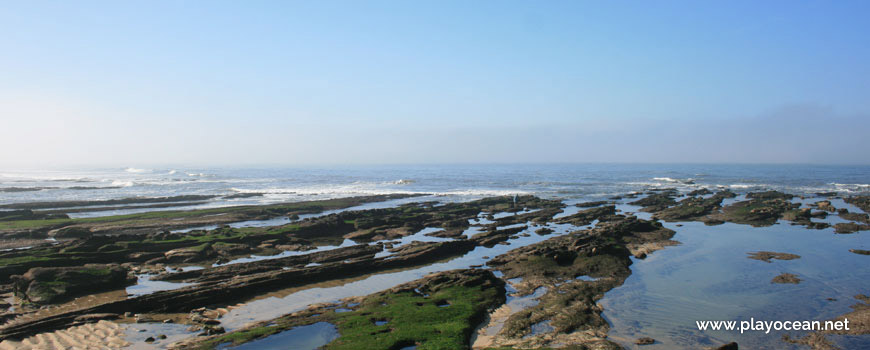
(581, 255)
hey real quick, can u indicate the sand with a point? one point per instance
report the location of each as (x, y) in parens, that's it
(486, 335)
(101, 335)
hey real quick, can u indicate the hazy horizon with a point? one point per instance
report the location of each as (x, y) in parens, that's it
(112, 84)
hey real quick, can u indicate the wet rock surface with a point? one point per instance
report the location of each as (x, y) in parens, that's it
(46, 285)
(862, 202)
(850, 227)
(569, 305)
(235, 282)
(859, 324)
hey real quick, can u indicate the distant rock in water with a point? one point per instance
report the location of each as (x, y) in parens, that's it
(591, 204)
(850, 227)
(24, 189)
(243, 195)
(786, 278)
(767, 256)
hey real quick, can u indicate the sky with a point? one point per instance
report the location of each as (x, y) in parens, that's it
(128, 83)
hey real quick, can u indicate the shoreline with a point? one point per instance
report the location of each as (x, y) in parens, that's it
(656, 202)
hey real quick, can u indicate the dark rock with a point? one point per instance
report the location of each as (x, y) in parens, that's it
(243, 195)
(826, 206)
(818, 225)
(88, 318)
(591, 204)
(27, 214)
(189, 254)
(46, 285)
(765, 210)
(850, 227)
(586, 217)
(655, 200)
(768, 256)
(862, 202)
(769, 195)
(213, 330)
(691, 208)
(700, 192)
(713, 222)
(645, 341)
(544, 231)
(855, 217)
(729, 346)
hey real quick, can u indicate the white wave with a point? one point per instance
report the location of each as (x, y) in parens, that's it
(851, 188)
(742, 186)
(851, 185)
(120, 183)
(136, 170)
(172, 172)
(358, 189)
(688, 181)
(403, 182)
(661, 184)
(481, 192)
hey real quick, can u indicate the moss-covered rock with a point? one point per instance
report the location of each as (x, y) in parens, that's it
(47, 285)
(439, 311)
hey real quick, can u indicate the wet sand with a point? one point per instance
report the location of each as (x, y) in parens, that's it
(100, 335)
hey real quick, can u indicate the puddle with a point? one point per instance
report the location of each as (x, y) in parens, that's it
(183, 268)
(144, 285)
(136, 334)
(309, 337)
(283, 220)
(540, 328)
(286, 253)
(420, 236)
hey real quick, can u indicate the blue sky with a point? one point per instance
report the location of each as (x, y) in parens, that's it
(260, 82)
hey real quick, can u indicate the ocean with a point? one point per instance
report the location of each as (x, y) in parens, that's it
(446, 182)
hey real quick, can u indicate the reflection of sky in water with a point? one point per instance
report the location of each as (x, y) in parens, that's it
(136, 334)
(144, 285)
(709, 277)
(308, 337)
